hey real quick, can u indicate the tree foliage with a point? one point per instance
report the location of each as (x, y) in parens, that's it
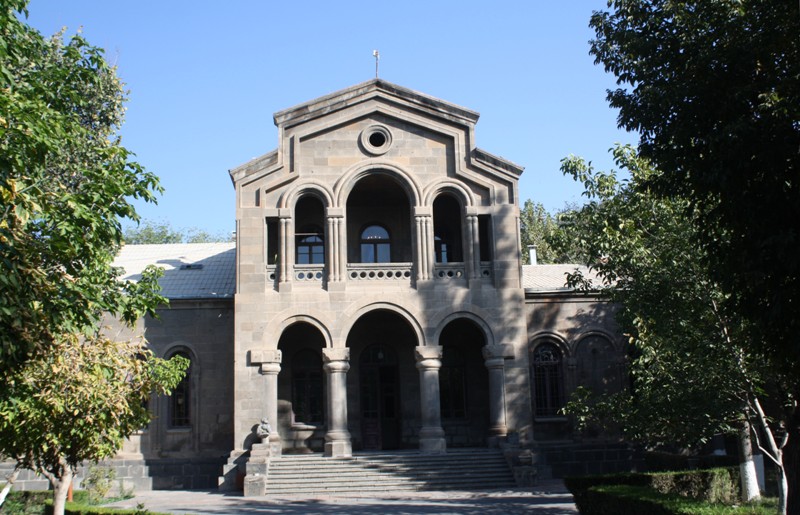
(714, 91)
(547, 232)
(694, 371)
(689, 381)
(65, 183)
(99, 399)
(713, 88)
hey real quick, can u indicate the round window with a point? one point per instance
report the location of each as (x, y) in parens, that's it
(376, 140)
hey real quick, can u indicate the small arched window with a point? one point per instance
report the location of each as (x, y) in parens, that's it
(547, 378)
(310, 246)
(181, 399)
(375, 245)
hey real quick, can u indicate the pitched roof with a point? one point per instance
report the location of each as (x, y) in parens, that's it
(191, 270)
(552, 278)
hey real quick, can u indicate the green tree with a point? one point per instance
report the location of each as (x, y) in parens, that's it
(694, 374)
(98, 399)
(151, 232)
(713, 88)
(548, 233)
(65, 183)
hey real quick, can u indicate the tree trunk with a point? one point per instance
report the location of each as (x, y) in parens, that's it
(747, 467)
(791, 463)
(9, 484)
(60, 490)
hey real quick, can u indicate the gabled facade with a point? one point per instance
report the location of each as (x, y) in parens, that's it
(377, 265)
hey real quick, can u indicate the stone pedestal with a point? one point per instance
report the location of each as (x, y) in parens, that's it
(255, 482)
(431, 435)
(337, 439)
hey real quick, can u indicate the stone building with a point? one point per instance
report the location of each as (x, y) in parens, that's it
(374, 300)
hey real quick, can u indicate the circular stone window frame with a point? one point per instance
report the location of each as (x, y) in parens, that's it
(372, 131)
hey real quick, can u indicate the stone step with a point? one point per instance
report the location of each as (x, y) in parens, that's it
(468, 470)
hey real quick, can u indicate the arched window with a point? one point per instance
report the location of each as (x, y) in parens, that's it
(310, 246)
(180, 400)
(375, 245)
(307, 396)
(547, 379)
(451, 383)
(447, 229)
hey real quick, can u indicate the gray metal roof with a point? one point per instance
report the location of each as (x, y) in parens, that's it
(191, 270)
(208, 270)
(552, 278)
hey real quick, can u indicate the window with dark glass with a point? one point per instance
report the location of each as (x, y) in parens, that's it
(547, 377)
(272, 240)
(180, 400)
(451, 384)
(307, 393)
(442, 249)
(375, 245)
(447, 229)
(310, 246)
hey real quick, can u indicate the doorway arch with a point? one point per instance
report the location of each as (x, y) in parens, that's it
(383, 404)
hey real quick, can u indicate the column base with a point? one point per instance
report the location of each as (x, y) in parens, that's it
(338, 449)
(432, 441)
(433, 445)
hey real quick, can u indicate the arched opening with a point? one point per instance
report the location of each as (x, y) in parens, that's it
(379, 201)
(447, 229)
(383, 404)
(180, 402)
(464, 385)
(301, 389)
(596, 365)
(547, 378)
(309, 234)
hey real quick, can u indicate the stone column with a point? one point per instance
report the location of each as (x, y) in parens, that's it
(334, 243)
(424, 261)
(431, 436)
(270, 367)
(495, 356)
(286, 257)
(473, 244)
(337, 439)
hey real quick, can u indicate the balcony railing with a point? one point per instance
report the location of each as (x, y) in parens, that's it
(379, 271)
(313, 273)
(449, 271)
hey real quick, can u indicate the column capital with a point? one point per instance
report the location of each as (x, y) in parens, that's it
(339, 354)
(498, 351)
(423, 352)
(334, 212)
(259, 357)
(423, 211)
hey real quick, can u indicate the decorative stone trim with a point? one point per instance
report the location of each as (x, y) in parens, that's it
(445, 272)
(379, 272)
(376, 140)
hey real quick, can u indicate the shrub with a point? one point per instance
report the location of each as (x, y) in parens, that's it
(98, 482)
(635, 500)
(715, 485)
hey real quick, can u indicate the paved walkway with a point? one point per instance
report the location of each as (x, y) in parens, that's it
(549, 498)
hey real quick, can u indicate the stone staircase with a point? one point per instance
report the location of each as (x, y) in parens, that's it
(473, 469)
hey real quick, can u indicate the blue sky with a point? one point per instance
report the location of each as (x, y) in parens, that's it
(206, 77)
